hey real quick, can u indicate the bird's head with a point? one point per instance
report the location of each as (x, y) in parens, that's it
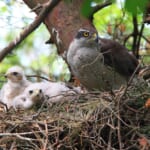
(15, 74)
(22, 102)
(86, 37)
(35, 94)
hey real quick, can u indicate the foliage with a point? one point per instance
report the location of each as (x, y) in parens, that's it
(32, 54)
(82, 123)
(136, 6)
(114, 21)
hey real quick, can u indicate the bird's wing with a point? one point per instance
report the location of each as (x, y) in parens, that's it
(117, 56)
(4, 92)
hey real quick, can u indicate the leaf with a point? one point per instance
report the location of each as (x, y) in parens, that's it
(147, 104)
(76, 81)
(86, 8)
(136, 6)
(143, 142)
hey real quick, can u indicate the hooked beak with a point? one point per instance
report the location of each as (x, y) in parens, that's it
(95, 37)
(6, 76)
(36, 92)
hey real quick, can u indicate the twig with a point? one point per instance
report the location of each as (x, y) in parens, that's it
(133, 75)
(99, 7)
(25, 138)
(135, 35)
(98, 57)
(5, 106)
(40, 77)
(39, 110)
(119, 127)
(19, 136)
(130, 80)
(110, 138)
(13, 145)
(147, 40)
(37, 7)
(46, 135)
(38, 20)
(140, 35)
(126, 38)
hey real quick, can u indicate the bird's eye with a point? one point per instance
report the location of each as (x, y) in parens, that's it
(15, 73)
(85, 34)
(40, 91)
(31, 91)
(23, 99)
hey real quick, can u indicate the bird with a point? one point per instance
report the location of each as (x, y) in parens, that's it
(145, 74)
(99, 63)
(22, 102)
(32, 96)
(55, 91)
(36, 93)
(15, 85)
(59, 91)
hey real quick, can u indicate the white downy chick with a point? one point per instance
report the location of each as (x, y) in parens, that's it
(15, 85)
(32, 96)
(22, 101)
(57, 91)
(36, 93)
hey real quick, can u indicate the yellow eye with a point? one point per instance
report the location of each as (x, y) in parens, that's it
(85, 34)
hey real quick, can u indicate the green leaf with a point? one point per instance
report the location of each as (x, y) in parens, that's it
(86, 8)
(4, 9)
(136, 6)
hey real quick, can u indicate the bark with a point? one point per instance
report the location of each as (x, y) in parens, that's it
(63, 22)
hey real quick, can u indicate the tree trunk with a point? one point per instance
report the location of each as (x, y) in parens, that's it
(63, 22)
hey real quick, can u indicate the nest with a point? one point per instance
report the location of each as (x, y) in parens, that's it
(88, 121)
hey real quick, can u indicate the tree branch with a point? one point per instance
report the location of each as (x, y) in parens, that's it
(38, 20)
(127, 37)
(99, 7)
(147, 40)
(30, 76)
(140, 36)
(135, 35)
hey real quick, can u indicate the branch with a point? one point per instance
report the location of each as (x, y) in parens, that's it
(40, 77)
(147, 40)
(38, 20)
(140, 36)
(19, 135)
(135, 35)
(99, 7)
(127, 37)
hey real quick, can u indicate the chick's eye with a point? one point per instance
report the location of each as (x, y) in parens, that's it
(85, 34)
(23, 99)
(30, 92)
(15, 73)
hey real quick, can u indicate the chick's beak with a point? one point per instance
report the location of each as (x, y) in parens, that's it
(6, 75)
(36, 92)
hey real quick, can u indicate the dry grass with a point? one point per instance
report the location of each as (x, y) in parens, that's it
(91, 121)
